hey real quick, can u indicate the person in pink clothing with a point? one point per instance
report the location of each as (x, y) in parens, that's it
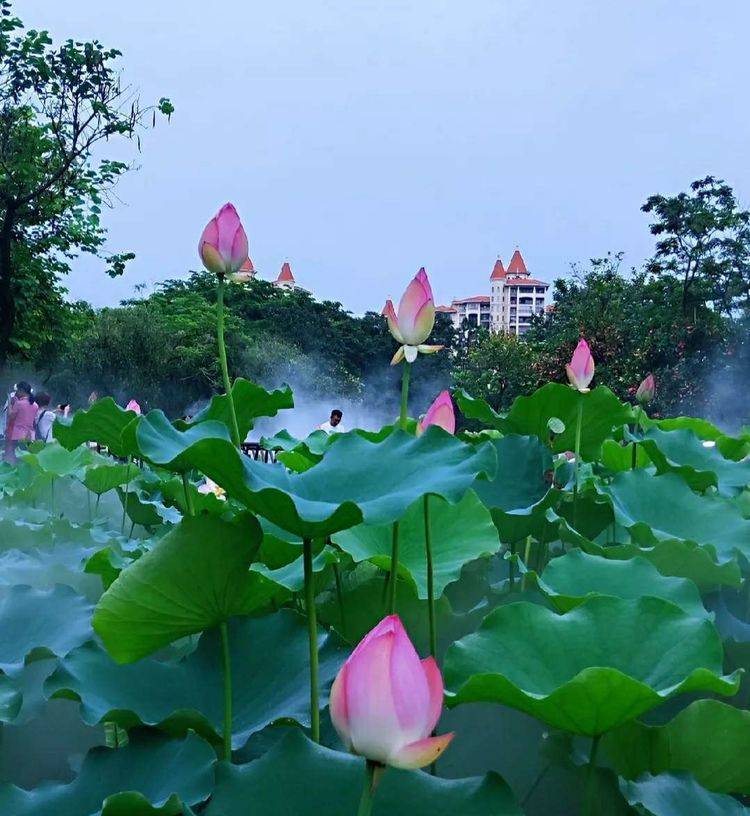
(21, 417)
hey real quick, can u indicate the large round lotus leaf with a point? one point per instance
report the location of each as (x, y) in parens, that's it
(250, 402)
(11, 699)
(298, 778)
(37, 622)
(270, 667)
(459, 533)
(664, 508)
(101, 478)
(43, 568)
(600, 665)
(733, 447)
(196, 577)
(678, 794)
(357, 480)
(568, 581)
(709, 739)
(602, 412)
(56, 461)
(683, 452)
(617, 457)
(104, 423)
(150, 775)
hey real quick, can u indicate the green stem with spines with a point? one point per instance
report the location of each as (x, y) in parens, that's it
(579, 423)
(430, 578)
(223, 359)
(405, 376)
(125, 501)
(312, 636)
(394, 569)
(340, 597)
(227, 658)
(368, 790)
(589, 802)
(188, 495)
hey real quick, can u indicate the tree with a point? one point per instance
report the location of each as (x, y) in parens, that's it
(57, 105)
(498, 368)
(704, 241)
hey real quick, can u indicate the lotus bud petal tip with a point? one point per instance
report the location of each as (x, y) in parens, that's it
(223, 245)
(440, 413)
(385, 701)
(580, 370)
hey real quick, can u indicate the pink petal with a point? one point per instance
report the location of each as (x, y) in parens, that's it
(440, 413)
(411, 692)
(228, 222)
(239, 249)
(420, 753)
(374, 727)
(581, 366)
(338, 707)
(435, 685)
(418, 294)
(390, 315)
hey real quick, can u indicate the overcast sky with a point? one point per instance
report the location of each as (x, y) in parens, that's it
(363, 139)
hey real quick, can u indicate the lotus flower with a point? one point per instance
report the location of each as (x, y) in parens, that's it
(385, 701)
(414, 321)
(646, 390)
(223, 245)
(133, 406)
(440, 413)
(581, 367)
(210, 486)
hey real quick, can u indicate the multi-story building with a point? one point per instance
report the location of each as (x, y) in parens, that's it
(514, 298)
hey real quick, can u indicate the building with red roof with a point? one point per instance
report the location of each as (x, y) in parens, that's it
(515, 298)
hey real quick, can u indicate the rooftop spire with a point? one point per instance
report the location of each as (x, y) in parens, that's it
(498, 270)
(286, 273)
(517, 265)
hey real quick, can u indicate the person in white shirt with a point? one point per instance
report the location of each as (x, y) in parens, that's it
(334, 423)
(44, 417)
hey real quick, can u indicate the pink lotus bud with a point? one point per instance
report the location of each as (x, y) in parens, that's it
(133, 406)
(646, 390)
(581, 367)
(440, 413)
(385, 701)
(416, 312)
(223, 245)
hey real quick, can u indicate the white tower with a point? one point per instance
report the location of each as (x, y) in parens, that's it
(497, 291)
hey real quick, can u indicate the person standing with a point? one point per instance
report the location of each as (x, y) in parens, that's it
(334, 423)
(21, 418)
(44, 417)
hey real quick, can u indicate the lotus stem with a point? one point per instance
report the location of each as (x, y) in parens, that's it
(635, 444)
(368, 788)
(526, 555)
(590, 801)
(223, 359)
(312, 634)
(132, 527)
(188, 495)
(394, 570)
(88, 504)
(579, 423)
(96, 504)
(125, 500)
(227, 691)
(52, 495)
(430, 577)
(340, 598)
(405, 375)
(511, 567)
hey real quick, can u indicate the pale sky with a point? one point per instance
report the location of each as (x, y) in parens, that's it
(362, 139)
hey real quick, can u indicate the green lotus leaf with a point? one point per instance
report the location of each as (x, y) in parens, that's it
(607, 661)
(301, 778)
(150, 775)
(602, 412)
(102, 478)
(617, 457)
(357, 480)
(664, 508)
(291, 576)
(682, 452)
(460, 533)
(710, 739)
(251, 401)
(43, 568)
(56, 461)
(196, 577)
(570, 580)
(732, 447)
(678, 794)
(103, 423)
(270, 661)
(11, 699)
(37, 622)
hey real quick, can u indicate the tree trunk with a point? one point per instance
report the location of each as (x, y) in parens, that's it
(7, 301)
